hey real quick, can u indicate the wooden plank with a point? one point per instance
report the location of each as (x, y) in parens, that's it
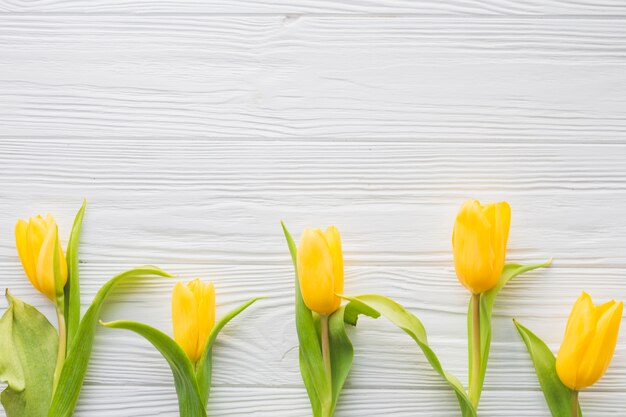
(141, 401)
(435, 79)
(202, 201)
(259, 348)
(297, 7)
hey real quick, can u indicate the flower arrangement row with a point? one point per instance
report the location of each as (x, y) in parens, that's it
(44, 367)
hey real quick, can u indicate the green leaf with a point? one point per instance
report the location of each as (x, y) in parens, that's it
(342, 352)
(60, 306)
(412, 326)
(72, 287)
(486, 308)
(310, 350)
(205, 364)
(189, 401)
(69, 386)
(28, 348)
(557, 395)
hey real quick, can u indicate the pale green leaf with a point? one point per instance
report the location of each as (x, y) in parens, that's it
(72, 287)
(342, 351)
(412, 326)
(28, 349)
(557, 395)
(487, 300)
(71, 381)
(205, 364)
(189, 401)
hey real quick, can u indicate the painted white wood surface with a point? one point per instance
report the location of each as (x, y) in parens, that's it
(193, 128)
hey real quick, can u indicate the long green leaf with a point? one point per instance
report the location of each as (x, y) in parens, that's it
(412, 326)
(28, 349)
(557, 395)
(487, 300)
(73, 374)
(310, 350)
(72, 287)
(189, 401)
(342, 351)
(205, 365)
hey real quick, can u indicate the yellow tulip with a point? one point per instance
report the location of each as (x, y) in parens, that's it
(35, 242)
(193, 316)
(589, 342)
(479, 243)
(320, 269)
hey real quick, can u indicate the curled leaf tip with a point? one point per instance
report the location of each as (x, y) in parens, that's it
(8, 295)
(160, 271)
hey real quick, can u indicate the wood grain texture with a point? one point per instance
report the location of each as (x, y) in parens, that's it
(327, 7)
(193, 128)
(212, 209)
(436, 79)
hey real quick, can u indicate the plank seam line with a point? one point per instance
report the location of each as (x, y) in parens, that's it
(400, 15)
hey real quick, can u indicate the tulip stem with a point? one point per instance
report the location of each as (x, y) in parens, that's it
(62, 346)
(575, 403)
(474, 383)
(326, 349)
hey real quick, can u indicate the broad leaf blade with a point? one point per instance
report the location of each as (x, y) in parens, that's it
(342, 351)
(71, 381)
(487, 300)
(189, 402)
(28, 349)
(557, 395)
(310, 351)
(72, 287)
(205, 364)
(412, 326)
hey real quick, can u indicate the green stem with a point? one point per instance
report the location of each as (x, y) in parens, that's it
(474, 383)
(326, 357)
(62, 346)
(574, 403)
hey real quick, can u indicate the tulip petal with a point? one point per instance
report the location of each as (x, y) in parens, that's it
(499, 215)
(24, 252)
(45, 264)
(333, 239)
(206, 315)
(50, 222)
(600, 351)
(37, 231)
(315, 272)
(185, 319)
(474, 252)
(579, 333)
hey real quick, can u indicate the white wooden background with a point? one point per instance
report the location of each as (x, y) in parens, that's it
(193, 127)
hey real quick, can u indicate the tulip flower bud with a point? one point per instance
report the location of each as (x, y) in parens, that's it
(320, 269)
(193, 316)
(35, 241)
(589, 342)
(479, 243)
